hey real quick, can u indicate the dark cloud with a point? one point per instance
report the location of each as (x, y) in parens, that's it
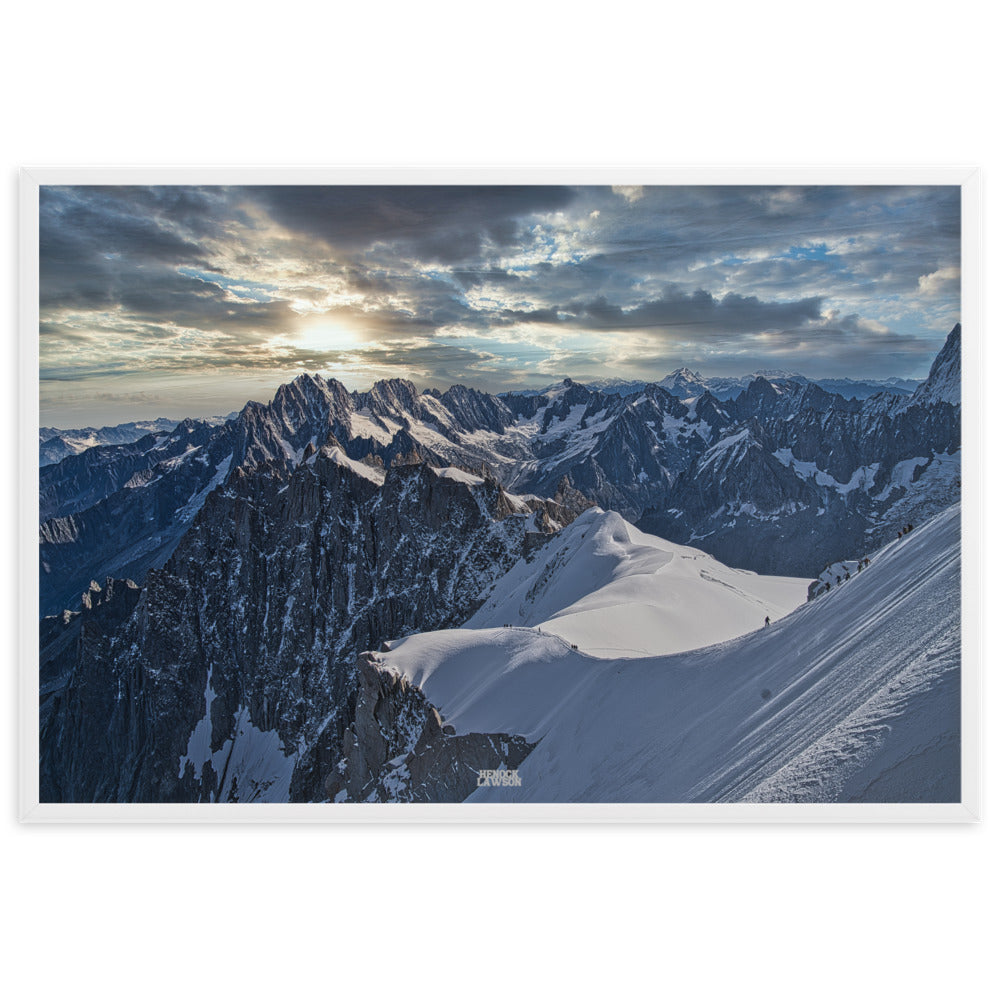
(195, 304)
(91, 239)
(699, 309)
(696, 313)
(436, 223)
(475, 277)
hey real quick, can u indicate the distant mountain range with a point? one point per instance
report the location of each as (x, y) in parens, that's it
(686, 384)
(55, 444)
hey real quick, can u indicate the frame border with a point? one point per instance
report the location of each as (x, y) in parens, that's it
(969, 178)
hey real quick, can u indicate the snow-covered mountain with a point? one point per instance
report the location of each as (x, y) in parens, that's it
(598, 585)
(55, 444)
(853, 697)
(119, 510)
(800, 475)
(248, 565)
(615, 591)
(687, 384)
(862, 389)
(780, 475)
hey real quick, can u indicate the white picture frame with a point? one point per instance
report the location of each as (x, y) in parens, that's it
(968, 810)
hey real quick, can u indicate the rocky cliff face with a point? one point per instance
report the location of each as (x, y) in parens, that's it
(234, 678)
(70, 637)
(399, 749)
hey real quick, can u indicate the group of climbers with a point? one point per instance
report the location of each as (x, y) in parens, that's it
(823, 586)
(861, 563)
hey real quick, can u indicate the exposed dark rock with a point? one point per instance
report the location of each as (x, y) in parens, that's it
(260, 613)
(398, 750)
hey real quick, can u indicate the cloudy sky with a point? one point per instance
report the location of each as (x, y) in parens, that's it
(182, 301)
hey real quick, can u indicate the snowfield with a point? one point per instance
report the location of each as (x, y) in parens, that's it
(853, 697)
(615, 591)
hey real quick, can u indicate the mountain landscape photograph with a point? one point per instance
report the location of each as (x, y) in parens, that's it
(499, 494)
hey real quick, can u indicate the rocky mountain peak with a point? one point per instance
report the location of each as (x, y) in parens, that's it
(392, 396)
(944, 383)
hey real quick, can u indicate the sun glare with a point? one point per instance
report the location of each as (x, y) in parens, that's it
(327, 337)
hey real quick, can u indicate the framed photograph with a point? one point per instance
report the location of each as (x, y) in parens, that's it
(598, 494)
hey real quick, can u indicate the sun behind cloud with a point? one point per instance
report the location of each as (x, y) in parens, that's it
(327, 335)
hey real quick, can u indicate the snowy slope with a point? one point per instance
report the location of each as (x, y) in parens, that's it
(615, 591)
(853, 697)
